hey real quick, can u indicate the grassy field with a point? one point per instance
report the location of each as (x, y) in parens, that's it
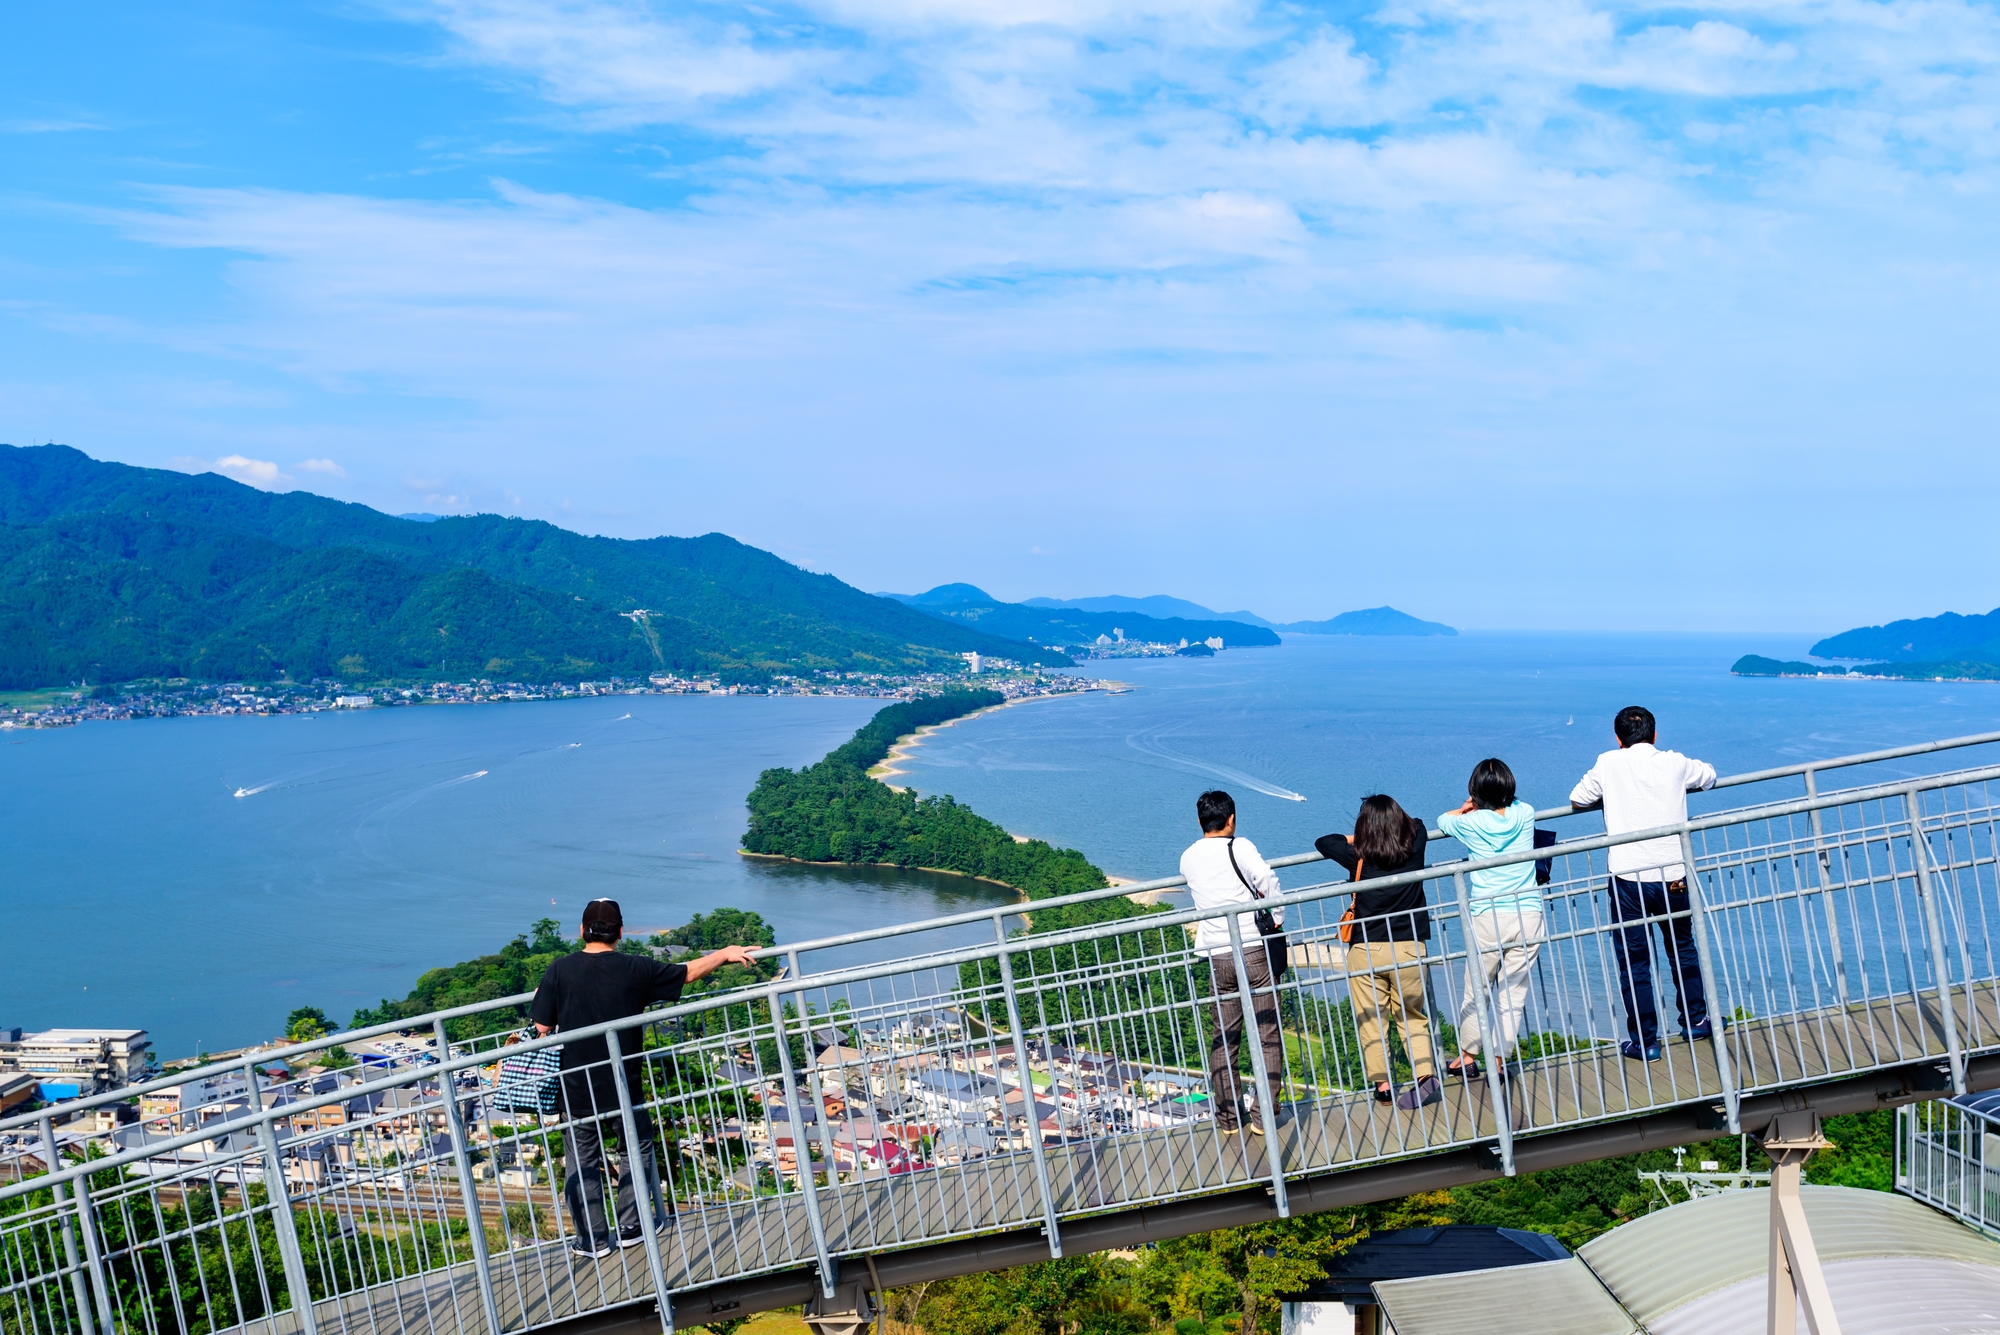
(37, 699)
(784, 1321)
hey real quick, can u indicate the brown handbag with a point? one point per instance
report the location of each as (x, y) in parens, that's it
(1347, 918)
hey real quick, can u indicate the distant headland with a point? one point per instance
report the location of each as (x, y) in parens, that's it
(1948, 647)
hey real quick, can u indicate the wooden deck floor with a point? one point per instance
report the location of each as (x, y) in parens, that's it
(541, 1284)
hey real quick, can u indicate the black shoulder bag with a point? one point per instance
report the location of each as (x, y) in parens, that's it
(1267, 926)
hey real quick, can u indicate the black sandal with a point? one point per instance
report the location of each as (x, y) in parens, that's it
(1385, 1095)
(1468, 1069)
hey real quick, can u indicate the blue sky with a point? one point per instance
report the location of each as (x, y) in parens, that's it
(1545, 314)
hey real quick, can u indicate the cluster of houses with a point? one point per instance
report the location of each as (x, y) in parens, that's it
(885, 1101)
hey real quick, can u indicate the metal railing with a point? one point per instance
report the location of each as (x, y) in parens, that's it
(1948, 1157)
(1026, 1081)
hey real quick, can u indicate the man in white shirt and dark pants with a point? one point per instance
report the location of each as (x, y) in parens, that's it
(1642, 787)
(1220, 871)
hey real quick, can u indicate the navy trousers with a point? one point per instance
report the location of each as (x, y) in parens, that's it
(1632, 902)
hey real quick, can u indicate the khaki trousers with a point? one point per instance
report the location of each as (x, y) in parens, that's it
(1385, 980)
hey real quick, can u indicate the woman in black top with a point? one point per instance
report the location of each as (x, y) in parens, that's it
(1385, 958)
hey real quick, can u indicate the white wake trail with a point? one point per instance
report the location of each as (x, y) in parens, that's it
(1146, 745)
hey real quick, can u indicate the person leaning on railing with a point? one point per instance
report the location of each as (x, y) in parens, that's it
(1643, 788)
(1222, 870)
(1385, 950)
(596, 984)
(1506, 924)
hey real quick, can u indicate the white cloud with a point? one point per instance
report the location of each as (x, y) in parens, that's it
(257, 472)
(324, 467)
(1581, 237)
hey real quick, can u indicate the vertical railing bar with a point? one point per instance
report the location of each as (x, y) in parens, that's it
(644, 1189)
(1042, 1183)
(278, 1199)
(1250, 1034)
(1497, 1090)
(461, 1154)
(801, 1148)
(1940, 965)
(1825, 865)
(1719, 1012)
(85, 1313)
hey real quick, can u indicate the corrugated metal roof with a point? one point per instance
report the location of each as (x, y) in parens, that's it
(1872, 1295)
(1412, 1253)
(1549, 1298)
(1667, 1260)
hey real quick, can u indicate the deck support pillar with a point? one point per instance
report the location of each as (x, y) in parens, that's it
(1796, 1282)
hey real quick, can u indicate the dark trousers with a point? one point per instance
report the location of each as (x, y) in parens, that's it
(1631, 902)
(584, 1187)
(1222, 1050)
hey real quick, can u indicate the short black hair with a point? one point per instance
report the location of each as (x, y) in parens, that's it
(603, 921)
(1213, 809)
(1491, 785)
(1382, 831)
(1633, 725)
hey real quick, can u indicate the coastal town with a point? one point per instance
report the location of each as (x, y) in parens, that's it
(925, 1090)
(181, 698)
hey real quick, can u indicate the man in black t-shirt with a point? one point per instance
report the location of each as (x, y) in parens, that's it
(594, 985)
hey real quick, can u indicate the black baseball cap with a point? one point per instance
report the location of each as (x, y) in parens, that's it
(603, 912)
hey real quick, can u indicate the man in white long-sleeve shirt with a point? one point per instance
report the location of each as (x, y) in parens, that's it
(1643, 788)
(1220, 871)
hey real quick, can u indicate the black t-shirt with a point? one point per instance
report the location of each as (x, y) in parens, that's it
(590, 987)
(1396, 914)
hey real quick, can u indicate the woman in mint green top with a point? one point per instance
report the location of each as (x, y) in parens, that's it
(1506, 924)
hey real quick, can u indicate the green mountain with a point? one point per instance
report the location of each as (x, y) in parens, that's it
(967, 605)
(1920, 640)
(109, 572)
(1370, 621)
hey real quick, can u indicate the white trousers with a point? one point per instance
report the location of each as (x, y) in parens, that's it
(1506, 944)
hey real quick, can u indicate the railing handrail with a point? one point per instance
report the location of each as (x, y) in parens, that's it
(771, 991)
(1297, 859)
(285, 1053)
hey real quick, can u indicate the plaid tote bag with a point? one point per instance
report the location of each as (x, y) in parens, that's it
(529, 1081)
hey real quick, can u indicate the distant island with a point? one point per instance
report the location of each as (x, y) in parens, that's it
(1949, 647)
(1756, 665)
(1157, 617)
(1157, 605)
(110, 573)
(969, 605)
(1370, 621)
(833, 811)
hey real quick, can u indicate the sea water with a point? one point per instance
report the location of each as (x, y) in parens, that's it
(140, 891)
(1332, 719)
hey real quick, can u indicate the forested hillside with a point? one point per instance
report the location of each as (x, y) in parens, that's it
(1949, 639)
(111, 572)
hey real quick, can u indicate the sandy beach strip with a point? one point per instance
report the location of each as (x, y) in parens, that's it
(888, 767)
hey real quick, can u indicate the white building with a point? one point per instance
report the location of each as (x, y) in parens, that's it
(353, 701)
(71, 1063)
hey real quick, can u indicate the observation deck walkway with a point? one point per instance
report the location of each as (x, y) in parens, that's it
(968, 1107)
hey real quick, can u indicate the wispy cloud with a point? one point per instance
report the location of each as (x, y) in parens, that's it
(1504, 251)
(256, 472)
(47, 125)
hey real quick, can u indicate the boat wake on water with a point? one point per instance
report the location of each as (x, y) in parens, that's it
(1148, 744)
